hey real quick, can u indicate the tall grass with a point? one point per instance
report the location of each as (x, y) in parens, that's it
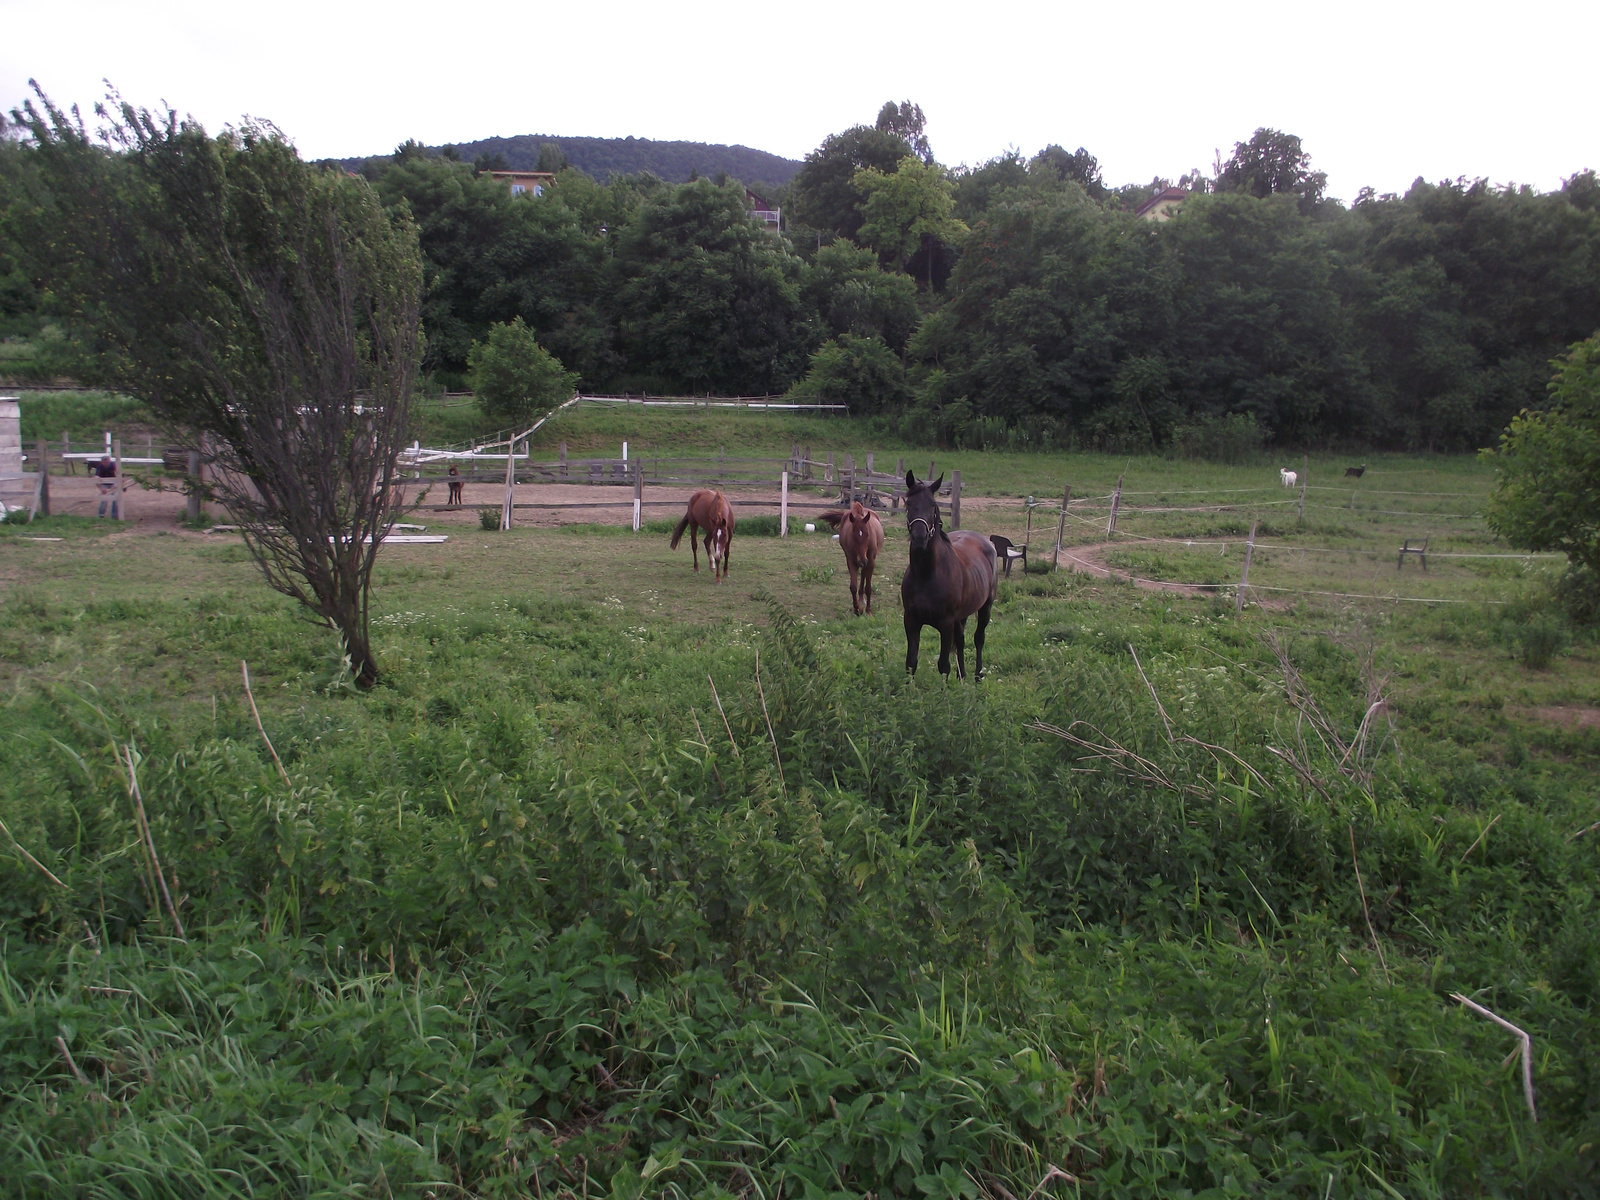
(542, 915)
(546, 913)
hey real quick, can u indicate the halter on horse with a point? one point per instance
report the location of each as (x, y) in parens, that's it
(950, 578)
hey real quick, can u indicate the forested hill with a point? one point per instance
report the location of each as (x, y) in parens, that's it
(675, 162)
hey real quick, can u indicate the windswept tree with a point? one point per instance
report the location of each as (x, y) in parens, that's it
(249, 298)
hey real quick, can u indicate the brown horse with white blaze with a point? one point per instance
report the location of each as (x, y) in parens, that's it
(860, 537)
(951, 577)
(708, 510)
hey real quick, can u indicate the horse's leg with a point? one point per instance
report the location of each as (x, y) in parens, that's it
(855, 586)
(978, 633)
(947, 637)
(866, 584)
(913, 637)
(694, 551)
(961, 648)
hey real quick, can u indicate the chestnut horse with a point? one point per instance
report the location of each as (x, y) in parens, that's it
(951, 577)
(708, 510)
(860, 537)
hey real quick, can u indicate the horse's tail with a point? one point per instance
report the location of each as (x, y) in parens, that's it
(677, 534)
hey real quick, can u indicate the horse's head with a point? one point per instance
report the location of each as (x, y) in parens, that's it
(721, 529)
(922, 512)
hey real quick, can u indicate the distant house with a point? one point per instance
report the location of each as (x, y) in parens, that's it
(525, 183)
(1163, 206)
(760, 209)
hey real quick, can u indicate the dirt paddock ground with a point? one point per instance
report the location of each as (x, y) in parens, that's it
(155, 505)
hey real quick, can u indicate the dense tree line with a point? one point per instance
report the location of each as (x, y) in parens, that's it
(1020, 298)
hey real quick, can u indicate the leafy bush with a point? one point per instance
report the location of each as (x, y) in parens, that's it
(1547, 467)
(1538, 638)
(1578, 593)
(515, 378)
(859, 371)
(489, 519)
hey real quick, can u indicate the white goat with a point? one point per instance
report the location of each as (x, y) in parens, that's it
(1290, 478)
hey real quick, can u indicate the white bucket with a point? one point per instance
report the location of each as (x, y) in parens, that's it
(810, 528)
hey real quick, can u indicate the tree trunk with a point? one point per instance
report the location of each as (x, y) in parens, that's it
(347, 614)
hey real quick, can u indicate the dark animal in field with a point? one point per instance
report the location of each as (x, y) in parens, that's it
(455, 481)
(708, 510)
(1355, 472)
(860, 537)
(1006, 551)
(951, 577)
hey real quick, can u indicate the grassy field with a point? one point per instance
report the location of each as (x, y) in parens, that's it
(622, 883)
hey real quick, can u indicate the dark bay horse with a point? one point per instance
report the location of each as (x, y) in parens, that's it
(860, 537)
(951, 577)
(708, 510)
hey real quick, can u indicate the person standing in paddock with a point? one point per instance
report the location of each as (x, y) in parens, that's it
(105, 472)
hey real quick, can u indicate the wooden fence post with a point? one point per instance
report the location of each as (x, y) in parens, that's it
(850, 477)
(783, 508)
(955, 499)
(827, 476)
(505, 507)
(192, 508)
(871, 487)
(929, 476)
(562, 468)
(899, 479)
(44, 481)
(1244, 579)
(1061, 528)
(116, 493)
(1305, 475)
(638, 495)
(66, 448)
(1116, 503)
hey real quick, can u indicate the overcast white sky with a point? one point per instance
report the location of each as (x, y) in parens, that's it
(1378, 92)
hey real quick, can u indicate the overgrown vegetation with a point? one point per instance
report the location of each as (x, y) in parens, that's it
(531, 917)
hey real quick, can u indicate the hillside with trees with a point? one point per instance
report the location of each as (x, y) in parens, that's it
(1024, 300)
(674, 162)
